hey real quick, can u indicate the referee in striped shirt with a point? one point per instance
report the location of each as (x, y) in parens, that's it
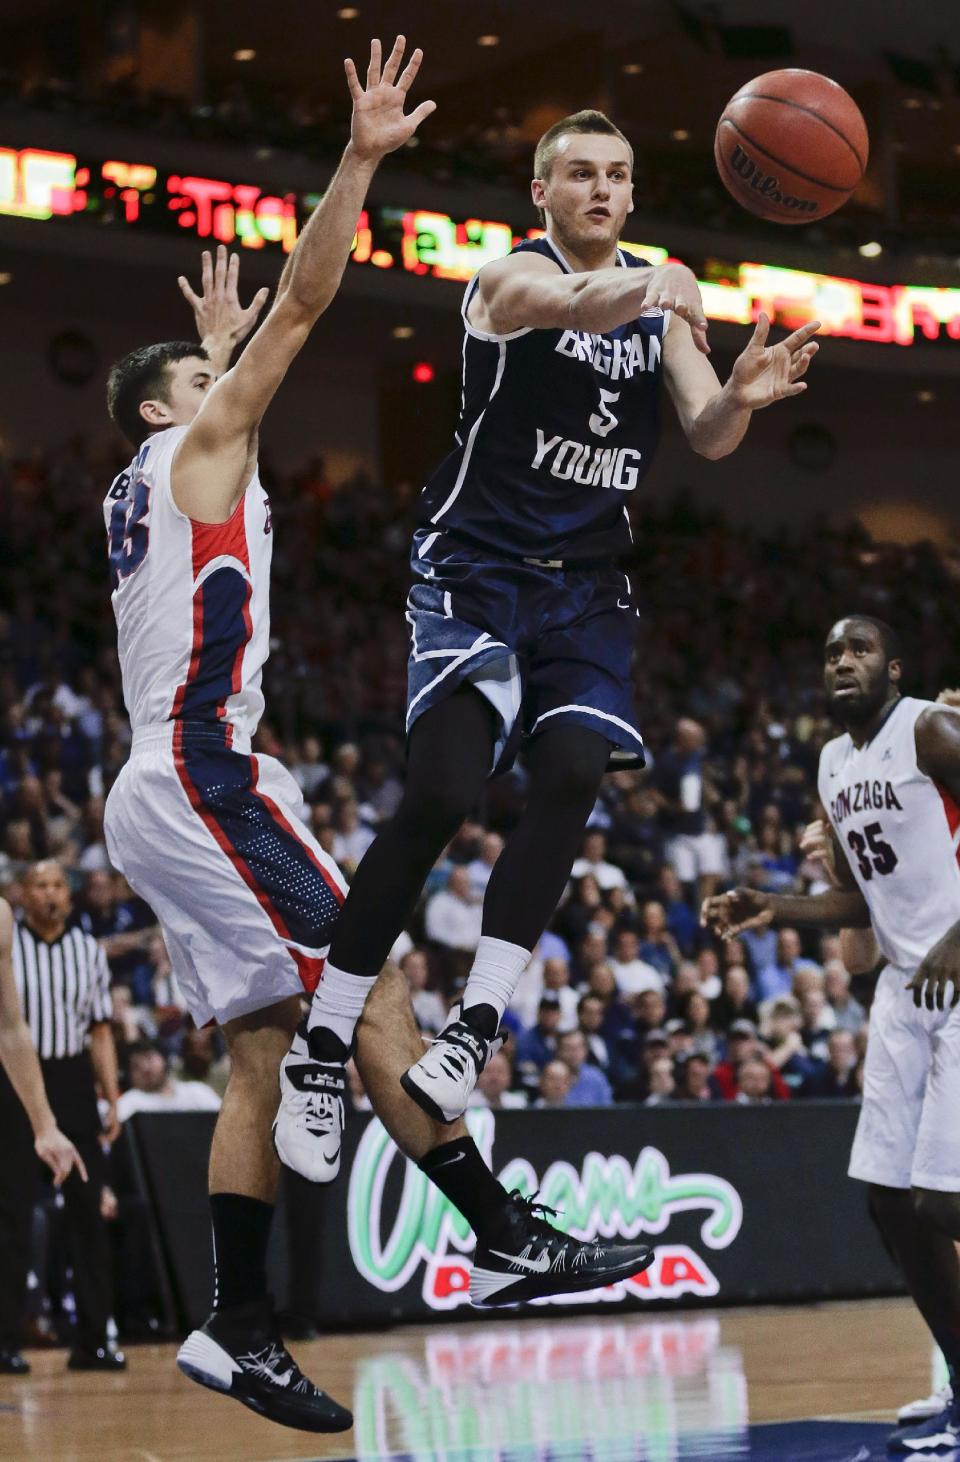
(63, 982)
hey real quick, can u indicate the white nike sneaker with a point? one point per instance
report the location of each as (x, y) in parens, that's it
(442, 1081)
(309, 1124)
(931, 1405)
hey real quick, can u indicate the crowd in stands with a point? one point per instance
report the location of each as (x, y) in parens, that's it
(626, 998)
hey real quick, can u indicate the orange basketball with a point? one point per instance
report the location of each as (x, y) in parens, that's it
(791, 146)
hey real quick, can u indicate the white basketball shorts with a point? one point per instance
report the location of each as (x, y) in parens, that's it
(908, 1134)
(214, 839)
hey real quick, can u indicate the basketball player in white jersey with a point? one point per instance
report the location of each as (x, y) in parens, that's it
(210, 835)
(891, 788)
(213, 837)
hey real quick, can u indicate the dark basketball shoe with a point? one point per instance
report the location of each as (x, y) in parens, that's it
(239, 1352)
(530, 1259)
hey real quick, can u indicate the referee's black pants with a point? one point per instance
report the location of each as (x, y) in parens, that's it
(70, 1090)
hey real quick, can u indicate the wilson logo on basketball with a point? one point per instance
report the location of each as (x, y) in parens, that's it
(766, 184)
(611, 1196)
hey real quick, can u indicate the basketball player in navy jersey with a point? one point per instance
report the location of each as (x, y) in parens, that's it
(213, 836)
(522, 625)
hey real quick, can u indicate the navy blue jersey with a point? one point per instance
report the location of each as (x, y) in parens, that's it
(556, 428)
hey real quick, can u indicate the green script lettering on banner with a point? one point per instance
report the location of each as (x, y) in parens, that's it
(608, 1196)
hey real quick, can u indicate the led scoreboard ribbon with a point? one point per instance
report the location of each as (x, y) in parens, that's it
(43, 185)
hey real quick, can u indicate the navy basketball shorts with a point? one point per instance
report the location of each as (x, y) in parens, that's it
(543, 645)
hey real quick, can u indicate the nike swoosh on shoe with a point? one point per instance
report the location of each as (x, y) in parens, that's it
(540, 1265)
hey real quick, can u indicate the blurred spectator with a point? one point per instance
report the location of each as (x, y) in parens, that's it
(734, 1001)
(657, 945)
(693, 1079)
(310, 771)
(817, 1023)
(153, 1089)
(452, 922)
(491, 846)
(589, 1088)
(578, 912)
(781, 1031)
(203, 1058)
(617, 1017)
(662, 1084)
(693, 848)
(556, 981)
(590, 1013)
(538, 1045)
(849, 1014)
(351, 837)
(554, 1085)
(777, 978)
(593, 860)
(429, 1010)
(681, 916)
(493, 1086)
(742, 1044)
(837, 1076)
(754, 1083)
(697, 1013)
(632, 974)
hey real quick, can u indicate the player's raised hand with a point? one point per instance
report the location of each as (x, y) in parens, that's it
(221, 319)
(728, 914)
(766, 373)
(59, 1154)
(674, 287)
(379, 124)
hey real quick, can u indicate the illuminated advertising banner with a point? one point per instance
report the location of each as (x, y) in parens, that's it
(42, 185)
(741, 1204)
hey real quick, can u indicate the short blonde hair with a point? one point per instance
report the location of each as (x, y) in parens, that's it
(583, 122)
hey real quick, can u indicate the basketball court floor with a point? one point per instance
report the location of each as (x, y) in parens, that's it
(799, 1384)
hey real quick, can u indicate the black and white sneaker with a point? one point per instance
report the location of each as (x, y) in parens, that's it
(308, 1127)
(530, 1259)
(240, 1353)
(442, 1081)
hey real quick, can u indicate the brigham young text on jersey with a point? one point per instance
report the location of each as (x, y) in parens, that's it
(555, 425)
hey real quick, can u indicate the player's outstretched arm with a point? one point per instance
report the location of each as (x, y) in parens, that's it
(728, 914)
(212, 463)
(19, 1060)
(937, 738)
(528, 291)
(714, 417)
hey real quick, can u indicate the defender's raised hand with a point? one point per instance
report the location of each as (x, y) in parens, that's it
(765, 373)
(222, 322)
(379, 124)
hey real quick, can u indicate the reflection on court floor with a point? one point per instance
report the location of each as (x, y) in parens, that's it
(745, 1384)
(605, 1392)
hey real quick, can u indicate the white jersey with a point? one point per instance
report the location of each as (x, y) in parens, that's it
(191, 600)
(900, 832)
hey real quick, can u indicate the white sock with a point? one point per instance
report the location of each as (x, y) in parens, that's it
(338, 1002)
(497, 967)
